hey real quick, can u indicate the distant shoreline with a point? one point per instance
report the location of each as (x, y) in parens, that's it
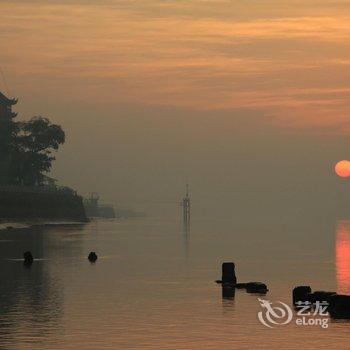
(7, 225)
(22, 205)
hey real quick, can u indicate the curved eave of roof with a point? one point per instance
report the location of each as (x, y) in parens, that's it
(7, 101)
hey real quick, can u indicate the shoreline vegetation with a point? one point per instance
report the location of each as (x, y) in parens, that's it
(26, 154)
(26, 147)
(27, 192)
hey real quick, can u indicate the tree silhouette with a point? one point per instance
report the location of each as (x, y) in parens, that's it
(34, 144)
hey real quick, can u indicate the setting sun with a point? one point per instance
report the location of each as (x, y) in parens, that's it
(342, 168)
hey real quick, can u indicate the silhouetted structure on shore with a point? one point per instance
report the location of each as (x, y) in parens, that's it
(26, 154)
(6, 131)
(6, 107)
(94, 209)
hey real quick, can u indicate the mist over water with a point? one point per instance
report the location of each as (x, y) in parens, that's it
(233, 161)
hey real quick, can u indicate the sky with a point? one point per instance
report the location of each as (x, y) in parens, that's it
(247, 100)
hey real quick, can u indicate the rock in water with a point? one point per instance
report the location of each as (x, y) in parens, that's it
(320, 296)
(301, 293)
(256, 287)
(28, 258)
(92, 257)
(228, 273)
(339, 306)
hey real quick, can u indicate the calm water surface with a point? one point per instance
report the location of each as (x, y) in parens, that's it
(153, 285)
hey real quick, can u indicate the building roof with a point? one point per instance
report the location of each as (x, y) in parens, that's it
(7, 101)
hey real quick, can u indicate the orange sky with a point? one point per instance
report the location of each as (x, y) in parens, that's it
(289, 60)
(247, 100)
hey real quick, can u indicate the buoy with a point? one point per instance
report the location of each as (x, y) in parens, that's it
(28, 258)
(92, 257)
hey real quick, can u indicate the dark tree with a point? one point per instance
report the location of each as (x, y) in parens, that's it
(35, 143)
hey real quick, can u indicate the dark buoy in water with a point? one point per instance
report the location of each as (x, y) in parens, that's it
(28, 258)
(92, 257)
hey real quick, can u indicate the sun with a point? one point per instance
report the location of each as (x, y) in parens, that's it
(342, 168)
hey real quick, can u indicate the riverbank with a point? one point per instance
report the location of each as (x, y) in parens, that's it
(21, 204)
(17, 225)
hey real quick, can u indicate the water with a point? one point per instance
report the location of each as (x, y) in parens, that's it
(153, 285)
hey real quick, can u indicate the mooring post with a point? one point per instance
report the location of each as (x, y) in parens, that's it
(228, 273)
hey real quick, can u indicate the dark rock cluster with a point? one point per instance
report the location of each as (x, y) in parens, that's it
(338, 305)
(229, 280)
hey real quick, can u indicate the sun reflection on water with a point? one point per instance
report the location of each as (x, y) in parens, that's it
(342, 257)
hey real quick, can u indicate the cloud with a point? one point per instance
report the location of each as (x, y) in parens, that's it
(284, 59)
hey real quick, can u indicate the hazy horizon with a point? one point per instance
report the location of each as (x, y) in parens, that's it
(245, 100)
